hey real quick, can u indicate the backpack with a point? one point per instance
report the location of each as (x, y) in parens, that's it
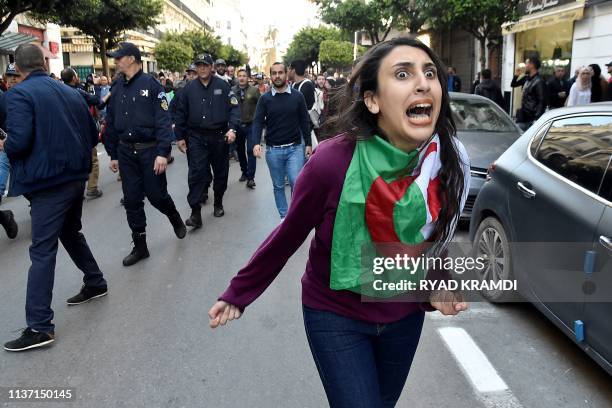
(317, 107)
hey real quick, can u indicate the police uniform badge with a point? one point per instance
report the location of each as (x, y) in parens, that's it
(164, 101)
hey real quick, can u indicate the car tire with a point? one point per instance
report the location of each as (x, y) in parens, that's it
(491, 241)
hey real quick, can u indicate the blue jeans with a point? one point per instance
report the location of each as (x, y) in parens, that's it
(284, 162)
(56, 214)
(5, 168)
(362, 365)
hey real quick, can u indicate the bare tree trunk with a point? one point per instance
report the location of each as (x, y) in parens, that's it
(483, 52)
(104, 58)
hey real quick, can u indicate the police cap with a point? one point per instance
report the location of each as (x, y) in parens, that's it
(125, 49)
(203, 59)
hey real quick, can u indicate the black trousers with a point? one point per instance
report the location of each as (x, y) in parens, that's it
(140, 181)
(203, 152)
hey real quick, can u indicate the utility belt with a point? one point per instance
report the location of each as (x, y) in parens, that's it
(138, 145)
(208, 132)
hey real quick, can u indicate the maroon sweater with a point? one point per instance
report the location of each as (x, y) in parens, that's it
(315, 199)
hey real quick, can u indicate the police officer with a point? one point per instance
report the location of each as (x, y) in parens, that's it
(207, 116)
(138, 139)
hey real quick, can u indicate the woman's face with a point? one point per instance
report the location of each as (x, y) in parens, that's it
(585, 76)
(409, 97)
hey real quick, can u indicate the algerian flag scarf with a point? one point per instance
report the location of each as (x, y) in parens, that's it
(389, 198)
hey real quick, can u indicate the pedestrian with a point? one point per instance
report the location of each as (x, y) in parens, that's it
(580, 93)
(51, 151)
(231, 75)
(12, 78)
(454, 82)
(558, 89)
(71, 78)
(489, 88)
(283, 113)
(221, 69)
(191, 72)
(247, 98)
(533, 104)
(609, 67)
(139, 137)
(599, 86)
(364, 349)
(206, 119)
(475, 83)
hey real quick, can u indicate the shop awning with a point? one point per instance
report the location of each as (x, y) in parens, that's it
(568, 12)
(10, 41)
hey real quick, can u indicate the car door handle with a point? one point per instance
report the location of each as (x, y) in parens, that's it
(606, 242)
(526, 191)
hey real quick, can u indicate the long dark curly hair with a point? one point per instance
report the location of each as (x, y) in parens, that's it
(355, 120)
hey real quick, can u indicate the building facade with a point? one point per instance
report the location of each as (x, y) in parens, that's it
(80, 52)
(565, 33)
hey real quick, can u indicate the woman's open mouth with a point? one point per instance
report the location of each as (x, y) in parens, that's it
(419, 113)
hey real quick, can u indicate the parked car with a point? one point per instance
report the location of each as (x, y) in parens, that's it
(544, 218)
(486, 132)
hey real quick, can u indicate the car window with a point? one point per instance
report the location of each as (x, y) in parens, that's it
(578, 149)
(480, 115)
(606, 187)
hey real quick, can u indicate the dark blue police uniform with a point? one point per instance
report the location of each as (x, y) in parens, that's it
(138, 130)
(204, 115)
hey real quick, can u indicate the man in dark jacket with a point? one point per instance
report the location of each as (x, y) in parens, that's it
(534, 94)
(71, 78)
(558, 89)
(247, 98)
(50, 154)
(489, 88)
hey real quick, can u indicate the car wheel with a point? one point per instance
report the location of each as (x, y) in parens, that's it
(491, 244)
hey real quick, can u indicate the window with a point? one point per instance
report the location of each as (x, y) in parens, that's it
(579, 149)
(480, 116)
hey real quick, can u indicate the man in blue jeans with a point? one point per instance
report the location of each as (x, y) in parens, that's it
(283, 112)
(50, 154)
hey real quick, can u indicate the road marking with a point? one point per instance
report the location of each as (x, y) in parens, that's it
(492, 389)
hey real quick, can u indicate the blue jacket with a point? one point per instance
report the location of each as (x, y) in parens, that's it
(50, 134)
(137, 112)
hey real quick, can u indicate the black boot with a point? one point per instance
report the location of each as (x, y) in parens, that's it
(140, 250)
(195, 220)
(7, 220)
(177, 223)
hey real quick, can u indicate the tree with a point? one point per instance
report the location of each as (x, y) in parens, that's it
(305, 44)
(336, 54)
(481, 18)
(173, 55)
(105, 20)
(376, 17)
(201, 41)
(232, 56)
(9, 9)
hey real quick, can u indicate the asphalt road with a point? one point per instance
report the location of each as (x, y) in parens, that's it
(147, 344)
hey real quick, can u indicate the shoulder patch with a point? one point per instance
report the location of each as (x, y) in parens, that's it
(233, 100)
(164, 104)
(161, 95)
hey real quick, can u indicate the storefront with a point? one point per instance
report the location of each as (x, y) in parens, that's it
(546, 31)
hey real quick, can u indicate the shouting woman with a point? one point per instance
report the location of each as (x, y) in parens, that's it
(395, 172)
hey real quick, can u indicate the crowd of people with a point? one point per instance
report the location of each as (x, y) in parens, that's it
(588, 85)
(394, 143)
